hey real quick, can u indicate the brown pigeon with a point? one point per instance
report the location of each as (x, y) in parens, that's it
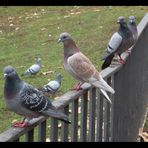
(80, 67)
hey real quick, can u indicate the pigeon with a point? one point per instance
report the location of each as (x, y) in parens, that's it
(53, 86)
(34, 69)
(120, 41)
(81, 68)
(133, 27)
(25, 100)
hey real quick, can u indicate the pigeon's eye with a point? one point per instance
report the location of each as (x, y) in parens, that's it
(64, 37)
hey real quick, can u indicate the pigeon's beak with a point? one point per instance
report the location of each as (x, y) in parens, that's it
(59, 40)
(5, 75)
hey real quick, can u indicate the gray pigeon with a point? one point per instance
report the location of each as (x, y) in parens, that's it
(53, 86)
(26, 100)
(120, 41)
(80, 67)
(133, 27)
(34, 69)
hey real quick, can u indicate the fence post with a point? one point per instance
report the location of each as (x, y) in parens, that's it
(131, 97)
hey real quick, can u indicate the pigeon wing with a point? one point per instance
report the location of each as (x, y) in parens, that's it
(81, 66)
(34, 68)
(33, 99)
(113, 45)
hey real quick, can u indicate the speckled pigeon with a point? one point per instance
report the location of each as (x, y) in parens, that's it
(53, 86)
(120, 41)
(34, 69)
(133, 27)
(80, 67)
(27, 101)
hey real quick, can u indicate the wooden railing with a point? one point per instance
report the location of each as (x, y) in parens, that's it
(92, 117)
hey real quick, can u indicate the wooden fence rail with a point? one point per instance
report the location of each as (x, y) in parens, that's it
(92, 117)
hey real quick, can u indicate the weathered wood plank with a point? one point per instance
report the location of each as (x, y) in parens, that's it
(14, 133)
(74, 120)
(99, 118)
(130, 101)
(42, 132)
(92, 115)
(107, 117)
(30, 136)
(64, 129)
(70, 96)
(54, 130)
(83, 123)
(112, 113)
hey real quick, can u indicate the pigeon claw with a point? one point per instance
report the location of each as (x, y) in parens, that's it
(20, 124)
(128, 51)
(121, 61)
(77, 87)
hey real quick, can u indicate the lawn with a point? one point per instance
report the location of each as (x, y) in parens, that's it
(27, 32)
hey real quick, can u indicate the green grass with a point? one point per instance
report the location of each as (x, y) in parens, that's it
(91, 28)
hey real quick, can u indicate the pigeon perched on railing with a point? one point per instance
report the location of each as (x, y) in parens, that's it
(80, 67)
(53, 86)
(34, 69)
(133, 27)
(25, 100)
(120, 41)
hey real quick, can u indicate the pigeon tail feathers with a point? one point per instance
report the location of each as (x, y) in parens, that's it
(102, 84)
(106, 95)
(56, 114)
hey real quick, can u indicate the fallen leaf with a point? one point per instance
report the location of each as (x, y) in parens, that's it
(66, 16)
(11, 25)
(35, 14)
(17, 28)
(11, 18)
(43, 29)
(48, 72)
(49, 35)
(44, 43)
(13, 121)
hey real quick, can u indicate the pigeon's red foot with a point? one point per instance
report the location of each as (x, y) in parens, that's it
(77, 87)
(128, 51)
(121, 61)
(21, 124)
